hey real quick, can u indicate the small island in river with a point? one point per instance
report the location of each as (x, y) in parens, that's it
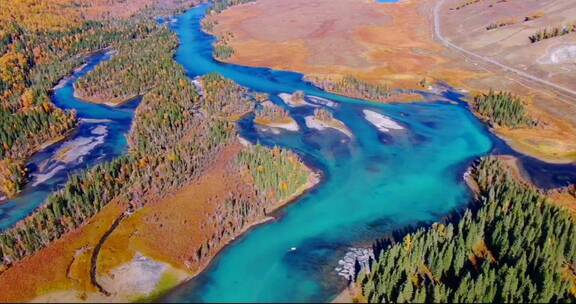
(271, 115)
(323, 119)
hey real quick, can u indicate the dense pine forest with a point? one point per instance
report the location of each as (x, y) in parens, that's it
(225, 98)
(502, 109)
(515, 247)
(277, 173)
(177, 131)
(356, 88)
(269, 112)
(132, 71)
(40, 43)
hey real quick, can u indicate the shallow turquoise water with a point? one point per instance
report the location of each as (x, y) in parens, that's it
(372, 184)
(100, 136)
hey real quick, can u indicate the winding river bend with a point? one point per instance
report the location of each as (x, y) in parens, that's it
(373, 182)
(99, 137)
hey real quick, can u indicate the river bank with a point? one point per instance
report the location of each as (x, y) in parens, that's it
(335, 215)
(111, 102)
(101, 127)
(395, 44)
(136, 241)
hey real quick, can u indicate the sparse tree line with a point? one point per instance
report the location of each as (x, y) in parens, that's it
(502, 109)
(208, 24)
(234, 213)
(464, 4)
(513, 247)
(548, 33)
(323, 115)
(267, 111)
(353, 87)
(510, 21)
(220, 5)
(222, 48)
(501, 23)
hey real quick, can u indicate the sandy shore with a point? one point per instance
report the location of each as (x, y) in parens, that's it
(111, 102)
(289, 100)
(314, 123)
(323, 101)
(382, 122)
(290, 125)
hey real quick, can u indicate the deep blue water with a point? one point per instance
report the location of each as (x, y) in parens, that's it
(99, 137)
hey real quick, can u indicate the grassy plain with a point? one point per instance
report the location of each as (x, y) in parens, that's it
(394, 44)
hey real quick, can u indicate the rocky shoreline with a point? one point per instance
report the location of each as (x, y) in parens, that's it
(355, 261)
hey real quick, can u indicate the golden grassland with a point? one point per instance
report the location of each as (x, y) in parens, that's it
(565, 200)
(65, 265)
(394, 44)
(167, 231)
(332, 38)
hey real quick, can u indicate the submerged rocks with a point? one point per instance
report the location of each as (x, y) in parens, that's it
(355, 261)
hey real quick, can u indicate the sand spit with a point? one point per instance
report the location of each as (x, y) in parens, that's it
(70, 152)
(323, 101)
(289, 100)
(140, 277)
(382, 122)
(314, 123)
(288, 126)
(94, 120)
(40, 178)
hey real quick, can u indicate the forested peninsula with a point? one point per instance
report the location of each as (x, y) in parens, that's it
(512, 245)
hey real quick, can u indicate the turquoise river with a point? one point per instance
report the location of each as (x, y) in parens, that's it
(373, 183)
